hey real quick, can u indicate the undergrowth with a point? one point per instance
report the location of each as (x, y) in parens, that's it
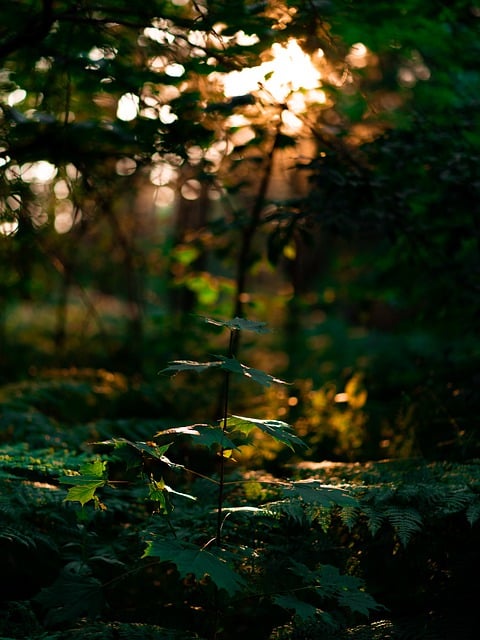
(114, 526)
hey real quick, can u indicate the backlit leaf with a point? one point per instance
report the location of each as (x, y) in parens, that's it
(176, 366)
(278, 430)
(234, 366)
(315, 492)
(240, 324)
(92, 476)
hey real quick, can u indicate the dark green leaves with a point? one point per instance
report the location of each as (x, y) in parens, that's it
(203, 434)
(189, 365)
(239, 324)
(150, 449)
(302, 609)
(328, 582)
(75, 593)
(278, 430)
(227, 364)
(190, 559)
(159, 493)
(234, 366)
(317, 493)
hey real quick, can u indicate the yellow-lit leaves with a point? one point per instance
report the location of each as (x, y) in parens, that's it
(278, 430)
(91, 477)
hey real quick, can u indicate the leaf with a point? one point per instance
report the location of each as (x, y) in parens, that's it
(301, 609)
(158, 495)
(405, 520)
(210, 436)
(357, 600)
(473, 513)
(203, 434)
(292, 509)
(349, 516)
(374, 517)
(150, 448)
(278, 430)
(92, 477)
(234, 366)
(239, 324)
(189, 365)
(96, 468)
(83, 493)
(191, 430)
(227, 364)
(72, 595)
(330, 583)
(190, 559)
(313, 491)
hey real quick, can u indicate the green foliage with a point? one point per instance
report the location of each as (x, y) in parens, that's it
(306, 547)
(364, 257)
(367, 505)
(239, 324)
(374, 235)
(74, 594)
(175, 528)
(190, 559)
(406, 496)
(227, 364)
(91, 477)
(278, 430)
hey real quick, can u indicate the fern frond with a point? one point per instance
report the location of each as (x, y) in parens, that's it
(473, 512)
(292, 509)
(456, 501)
(375, 518)
(426, 493)
(17, 536)
(349, 516)
(405, 520)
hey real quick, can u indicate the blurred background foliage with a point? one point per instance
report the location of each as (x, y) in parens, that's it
(310, 164)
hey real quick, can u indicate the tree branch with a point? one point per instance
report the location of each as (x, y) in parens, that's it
(34, 30)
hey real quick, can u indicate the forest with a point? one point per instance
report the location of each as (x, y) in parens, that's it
(239, 320)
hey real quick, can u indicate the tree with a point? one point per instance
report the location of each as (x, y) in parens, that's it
(410, 207)
(109, 106)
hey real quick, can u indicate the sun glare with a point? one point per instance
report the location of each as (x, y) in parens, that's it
(38, 172)
(8, 228)
(128, 107)
(289, 70)
(16, 96)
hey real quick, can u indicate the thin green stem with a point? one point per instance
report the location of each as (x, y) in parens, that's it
(221, 485)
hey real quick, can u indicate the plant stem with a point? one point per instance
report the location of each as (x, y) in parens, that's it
(221, 484)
